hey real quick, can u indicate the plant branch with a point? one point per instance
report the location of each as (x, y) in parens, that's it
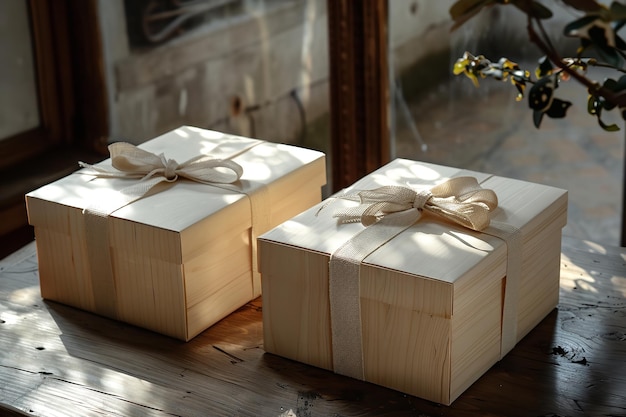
(595, 63)
(593, 87)
(542, 29)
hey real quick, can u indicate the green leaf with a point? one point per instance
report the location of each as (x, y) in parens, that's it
(611, 85)
(558, 108)
(577, 24)
(619, 24)
(608, 128)
(619, 90)
(583, 5)
(537, 116)
(464, 10)
(462, 7)
(619, 43)
(541, 93)
(594, 107)
(591, 105)
(617, 11)
(621, 83)
(598, 38)
(536, 9)
(545, 67)
(540, 11)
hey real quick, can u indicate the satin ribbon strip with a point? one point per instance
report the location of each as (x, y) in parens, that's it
(512, 236)
(260, 212)
(387, 211)
(130, 161)
(344, 289)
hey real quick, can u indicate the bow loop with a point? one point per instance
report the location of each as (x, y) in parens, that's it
(129, 158)
(208, 170)
(461, 200)
(130, 161)
(466, 190)
(376, 204)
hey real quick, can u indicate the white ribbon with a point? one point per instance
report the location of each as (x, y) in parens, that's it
(130, 161)
(387, 211)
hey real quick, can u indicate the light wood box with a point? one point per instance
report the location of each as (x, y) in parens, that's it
(431, 298)
(181, 257)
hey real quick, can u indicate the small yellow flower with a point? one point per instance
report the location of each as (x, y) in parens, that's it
(467, 65)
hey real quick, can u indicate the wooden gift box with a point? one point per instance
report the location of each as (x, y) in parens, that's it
(431, 299)
(182, 256)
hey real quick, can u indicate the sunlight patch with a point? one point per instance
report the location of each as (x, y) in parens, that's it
(620, 284)
(28, 295)
(181, 133)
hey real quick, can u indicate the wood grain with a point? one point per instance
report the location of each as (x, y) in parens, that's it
(57, 360)
(184, 257)
(431, 298)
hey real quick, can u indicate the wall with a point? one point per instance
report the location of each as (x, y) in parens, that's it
(18, 101)
(417, 29)
(274, 61)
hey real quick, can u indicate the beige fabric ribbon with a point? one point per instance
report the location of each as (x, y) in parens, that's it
(130, 161)
(388, 211)
(461, 200)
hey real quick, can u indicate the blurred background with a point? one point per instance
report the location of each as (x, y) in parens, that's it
(79, 74)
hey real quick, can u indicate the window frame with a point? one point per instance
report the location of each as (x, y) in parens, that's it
(359, 88)
(71, 91)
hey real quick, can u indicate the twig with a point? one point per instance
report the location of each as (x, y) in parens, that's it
(593, 87)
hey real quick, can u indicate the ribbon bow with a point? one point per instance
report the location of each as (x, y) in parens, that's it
(460, 199)
(130, 161)
(389, 211)
(133, 162)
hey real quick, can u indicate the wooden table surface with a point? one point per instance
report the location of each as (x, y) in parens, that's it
(59, 361)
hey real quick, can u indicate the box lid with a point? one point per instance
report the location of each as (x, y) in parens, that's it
(431, 248)
(262, 162)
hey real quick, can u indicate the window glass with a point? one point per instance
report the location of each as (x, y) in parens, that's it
(443, 118)
(18, 102)
(256, 68)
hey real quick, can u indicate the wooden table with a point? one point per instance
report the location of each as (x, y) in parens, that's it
(59, 361)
